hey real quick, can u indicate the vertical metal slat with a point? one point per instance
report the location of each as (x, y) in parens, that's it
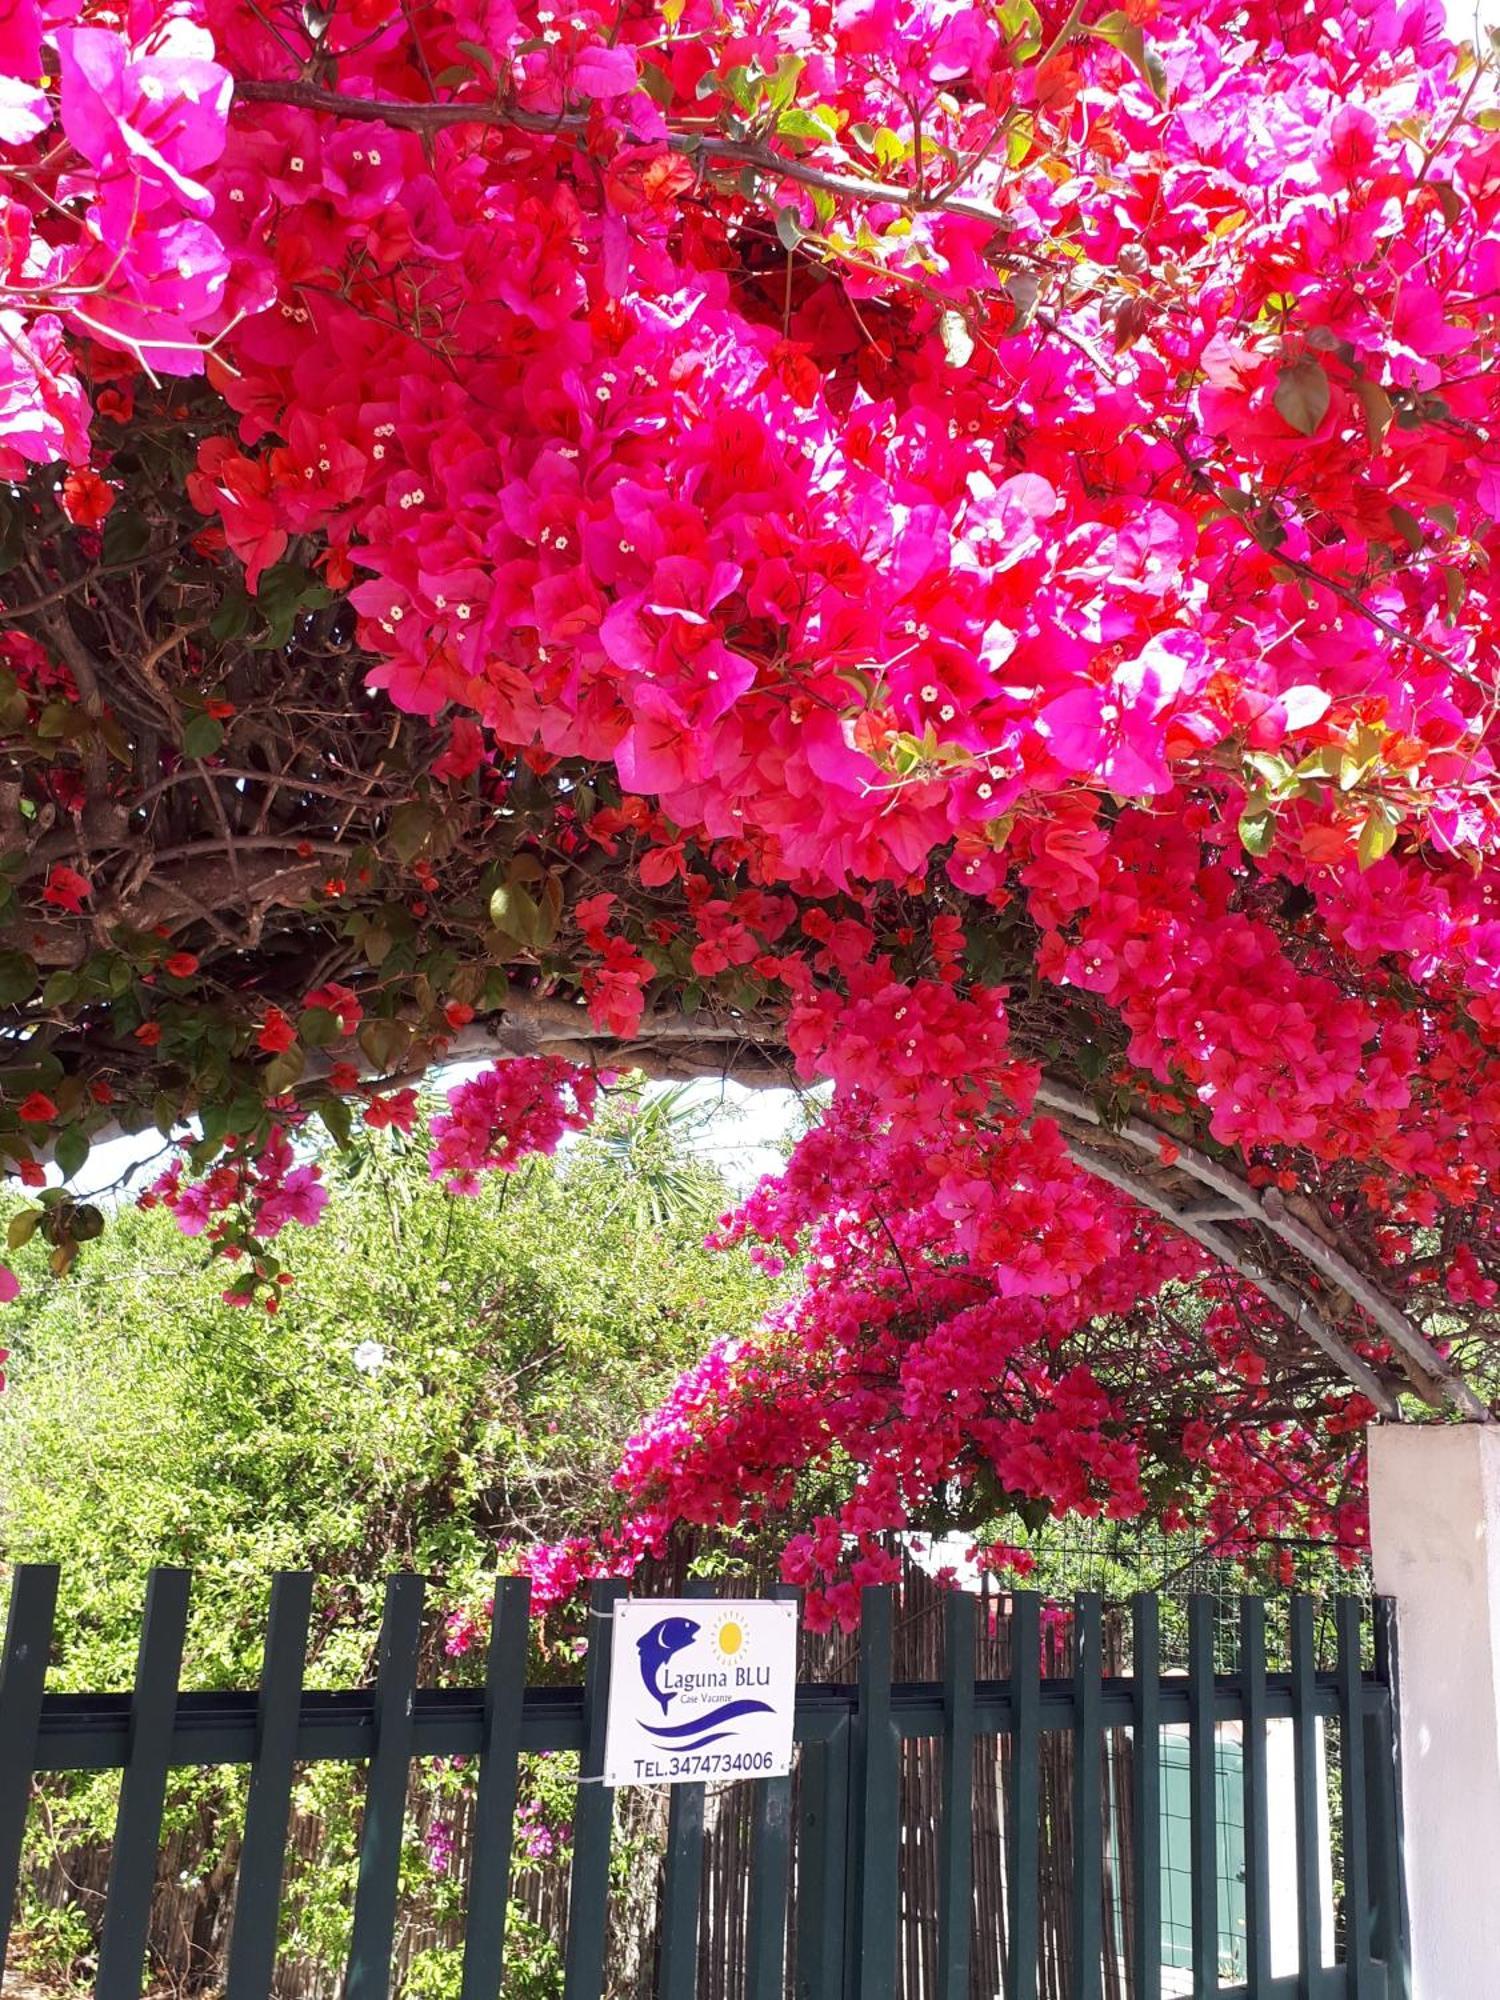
(822, 1866)
(374, 1931)
(1305, 1786)
(682, 1885)
(677, 1969)
(1383, 1773)
(593, 1818)
(495, 1798)
(1088, 1821)
(143, 1789)
(257, 1890)
(23, 1678)
(874, 1817)
(956, 1853)
(1203, 1797)
(1361, 1980)
(1257, 1799)
(1145, 1798)
(1023, 1821)
(770, 1877)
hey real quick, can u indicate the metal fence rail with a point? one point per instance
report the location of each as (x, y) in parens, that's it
(828, 1898)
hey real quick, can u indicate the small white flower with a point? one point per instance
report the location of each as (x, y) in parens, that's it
(369, 1357)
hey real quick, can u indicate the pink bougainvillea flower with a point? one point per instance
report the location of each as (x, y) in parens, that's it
(24, 111)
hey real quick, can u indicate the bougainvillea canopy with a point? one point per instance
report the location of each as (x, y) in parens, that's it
(946, 547)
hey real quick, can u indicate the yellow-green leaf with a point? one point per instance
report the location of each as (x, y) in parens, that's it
(1376, 838)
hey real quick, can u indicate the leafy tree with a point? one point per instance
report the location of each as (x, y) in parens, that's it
(945, 548)
(446, 1380)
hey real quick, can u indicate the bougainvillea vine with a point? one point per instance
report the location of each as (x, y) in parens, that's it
(945, 547)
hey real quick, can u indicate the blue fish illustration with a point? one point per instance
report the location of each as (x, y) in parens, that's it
(657, 1646)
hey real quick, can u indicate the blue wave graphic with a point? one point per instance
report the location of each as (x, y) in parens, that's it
(729, 1711)
(702, 1742)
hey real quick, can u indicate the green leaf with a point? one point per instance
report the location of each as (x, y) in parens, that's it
(70, 1151)
(127, 536)
(1257, 830)
(549, 915)
(1125, 35)
(802, 121)
(336, 1115)
(13, 706)
(1377, 409)
(1023, 28)
(384, 1042)
(1024, 288)
(410, 827)
(514, 910)
(789, 230)
(1376, 839)
(318, 1027)
(1274, 772)
(22, 1227)
(232, 619)
(284, 1070)
(1409, 528)
(782, 87)
(18, 977)
(890, 149)
(202, 736)
(213, 1120)
(744, 86)
(1302, 394)
(657, 84)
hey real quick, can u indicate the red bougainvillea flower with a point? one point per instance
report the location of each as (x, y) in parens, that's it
(396, 1108)
(181, 965)
(340, 1001)
(37, 1109)
(66, 888)
(87, 498)
(276, 1033)
(1106, 541)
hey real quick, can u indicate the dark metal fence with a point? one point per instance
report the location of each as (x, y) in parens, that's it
(941, 1838)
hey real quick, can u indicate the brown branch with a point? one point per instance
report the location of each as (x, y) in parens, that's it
(1237, 1194)
(735, 152)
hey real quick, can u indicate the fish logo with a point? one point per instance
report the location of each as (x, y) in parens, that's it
(656, 1647)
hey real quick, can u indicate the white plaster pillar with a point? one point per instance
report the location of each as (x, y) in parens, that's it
(1435, 1536)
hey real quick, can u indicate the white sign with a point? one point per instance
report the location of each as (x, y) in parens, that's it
(700, 1688)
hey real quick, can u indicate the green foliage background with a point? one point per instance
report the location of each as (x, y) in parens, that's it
(525, 1332)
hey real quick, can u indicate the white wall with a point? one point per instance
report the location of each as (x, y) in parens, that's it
(1435, 1535)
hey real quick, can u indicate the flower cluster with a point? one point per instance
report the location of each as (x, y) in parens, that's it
(241, 1204)
(110, 127)
(981, 528)
(495, 1119)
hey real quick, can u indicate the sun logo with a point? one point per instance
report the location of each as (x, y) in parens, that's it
(729, 1638)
